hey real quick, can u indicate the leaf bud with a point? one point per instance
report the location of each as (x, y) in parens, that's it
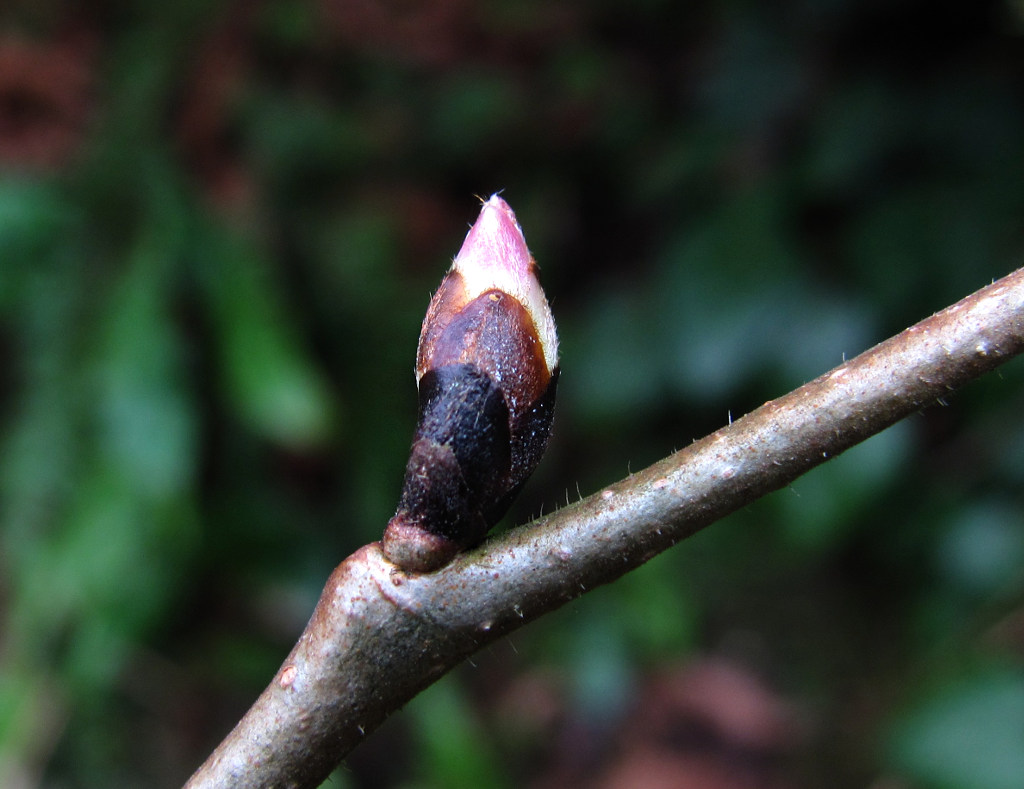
(487, 371)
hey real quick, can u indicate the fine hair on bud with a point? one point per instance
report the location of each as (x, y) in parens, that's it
(487, 371)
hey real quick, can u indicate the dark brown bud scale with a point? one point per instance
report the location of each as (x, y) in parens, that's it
(487, 372)
(495, 333)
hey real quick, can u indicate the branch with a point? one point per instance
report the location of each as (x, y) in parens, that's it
(379, 635)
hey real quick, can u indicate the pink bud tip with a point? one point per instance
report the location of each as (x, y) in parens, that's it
(495, 256)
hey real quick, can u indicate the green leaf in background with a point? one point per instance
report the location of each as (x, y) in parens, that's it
(474, 109)
(32, 213)
(303, 146)
(454, 747)
(659, 615)
(967, 736)
(107, 564)
(274, 386)
(599, 665)
(856, 126)
(147, 428)
(982, 550)
(828, 504)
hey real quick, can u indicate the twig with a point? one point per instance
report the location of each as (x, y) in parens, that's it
(378, 635)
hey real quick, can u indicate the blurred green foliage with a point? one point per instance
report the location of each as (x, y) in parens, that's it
(220, 225)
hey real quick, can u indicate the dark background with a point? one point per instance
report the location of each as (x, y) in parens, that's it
(220, 225)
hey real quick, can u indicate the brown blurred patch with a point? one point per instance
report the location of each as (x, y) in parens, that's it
(444, 33)
(46, 98)
(1008, 633)
(425, 32)
(206, 118)
(710, 724)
